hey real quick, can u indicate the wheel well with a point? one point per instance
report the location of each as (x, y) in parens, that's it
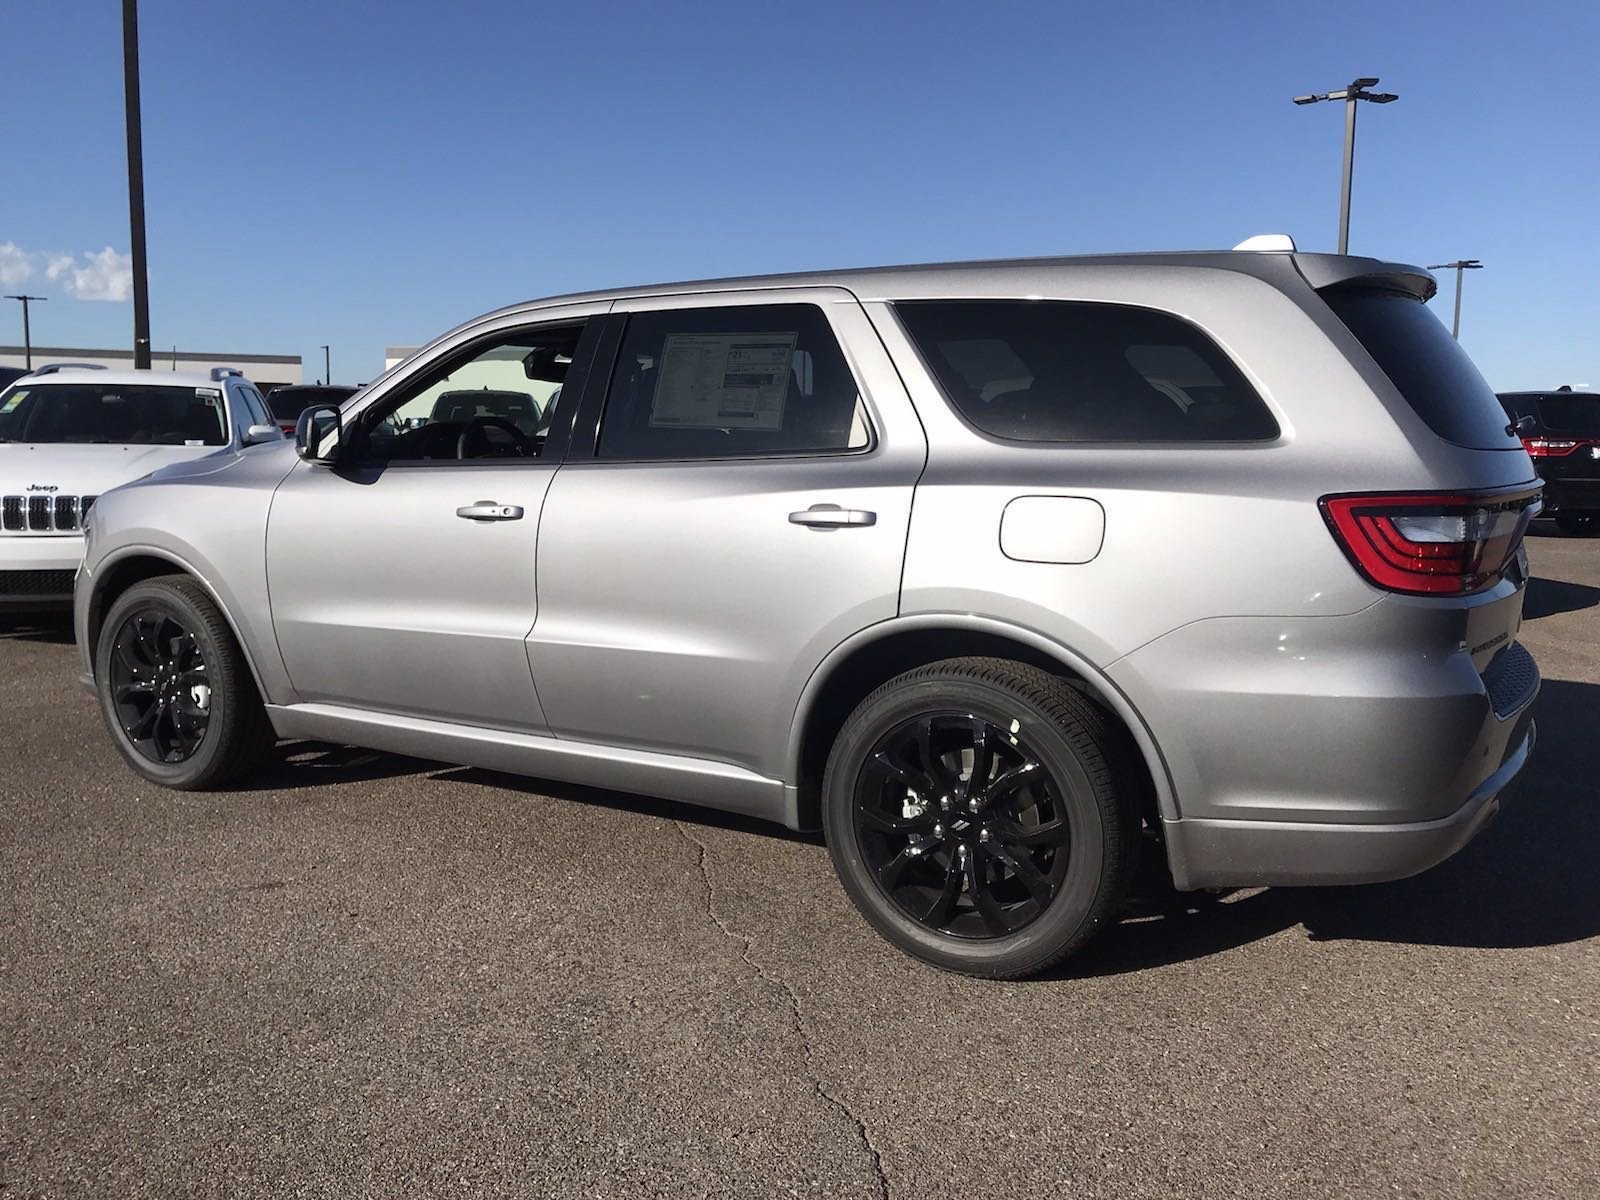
(119, 578)
(851, 681)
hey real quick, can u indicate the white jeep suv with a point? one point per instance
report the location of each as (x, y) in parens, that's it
(69, 433)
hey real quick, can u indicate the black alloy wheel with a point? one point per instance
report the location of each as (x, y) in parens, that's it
(175, 688)
(962, 825)
(159, 686)
(983, 815)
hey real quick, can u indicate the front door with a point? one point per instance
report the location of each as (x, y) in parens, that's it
(737, 510)
(403, 579)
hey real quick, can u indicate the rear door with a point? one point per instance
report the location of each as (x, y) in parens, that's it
(736, 509)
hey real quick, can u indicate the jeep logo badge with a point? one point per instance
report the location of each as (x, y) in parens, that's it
(42, 487)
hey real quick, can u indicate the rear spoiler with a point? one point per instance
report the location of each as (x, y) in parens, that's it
(1337, 270)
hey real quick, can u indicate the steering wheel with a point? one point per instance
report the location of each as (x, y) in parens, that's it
(474, 444)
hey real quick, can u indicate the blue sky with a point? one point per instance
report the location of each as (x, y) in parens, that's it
(363, 175)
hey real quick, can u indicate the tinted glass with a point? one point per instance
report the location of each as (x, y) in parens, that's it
(731, 382)
(288, 403)
(1426, 365)
(1060, 371)
(135, 414)
(1571, 413)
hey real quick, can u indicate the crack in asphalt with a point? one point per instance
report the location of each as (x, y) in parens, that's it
(793, 998)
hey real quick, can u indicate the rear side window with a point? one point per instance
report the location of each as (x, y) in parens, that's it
(1067, 371)
(1426, 365)
(731, 382)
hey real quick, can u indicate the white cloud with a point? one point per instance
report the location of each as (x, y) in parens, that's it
(105, 275)
(16, 265)
(96, 275)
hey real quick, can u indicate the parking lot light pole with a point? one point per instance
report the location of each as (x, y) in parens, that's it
(1461, 264)
(1359, 89)
(27, 331)
(327, 368)
(130, 96)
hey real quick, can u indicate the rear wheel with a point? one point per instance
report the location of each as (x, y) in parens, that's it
(1581, 523)
(174, 689)
(975, 814)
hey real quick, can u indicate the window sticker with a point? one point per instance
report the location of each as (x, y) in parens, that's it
(211, 396)
(12, 401)
(723, 381)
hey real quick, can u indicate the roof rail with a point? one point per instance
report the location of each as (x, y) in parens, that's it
(52, 368)
(1268, 242)
(224, 372)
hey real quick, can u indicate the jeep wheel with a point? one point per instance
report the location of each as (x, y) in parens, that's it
(974, 813)
(174, 688)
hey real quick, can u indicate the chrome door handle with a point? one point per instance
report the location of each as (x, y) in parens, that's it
(831, 516)
(488, 510)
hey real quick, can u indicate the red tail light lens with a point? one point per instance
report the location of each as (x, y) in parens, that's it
(1549, 447)
(1431, 544)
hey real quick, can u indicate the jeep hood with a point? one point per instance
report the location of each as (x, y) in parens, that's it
(77, 470)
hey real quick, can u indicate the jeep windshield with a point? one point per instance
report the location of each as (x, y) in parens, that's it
(112, 413)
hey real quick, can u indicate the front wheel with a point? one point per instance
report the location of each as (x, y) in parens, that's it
(175, 690)
(1580, 523)
(974, 812)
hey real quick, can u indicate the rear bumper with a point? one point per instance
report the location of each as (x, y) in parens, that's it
(1571, 494)
(1232, 853)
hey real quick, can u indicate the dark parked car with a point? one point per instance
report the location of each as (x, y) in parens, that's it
(1562, 436)
(9, 375)
(287, 403)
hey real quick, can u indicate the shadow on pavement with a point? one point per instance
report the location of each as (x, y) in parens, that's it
(52, 627)
(1528, 880)
(1546, 597)
(668, 810)
(307, 764)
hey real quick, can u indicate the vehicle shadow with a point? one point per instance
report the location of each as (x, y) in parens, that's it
(309, 764)
(650, 806)
(1527, 880)
(52, 627)
(1547, 597)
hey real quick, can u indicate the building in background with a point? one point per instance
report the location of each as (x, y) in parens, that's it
(263, 370)
(396, 354)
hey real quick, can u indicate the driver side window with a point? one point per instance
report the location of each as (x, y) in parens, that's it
(493, 399)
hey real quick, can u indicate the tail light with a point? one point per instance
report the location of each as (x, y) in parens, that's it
(1432, 543)
(1549, 447)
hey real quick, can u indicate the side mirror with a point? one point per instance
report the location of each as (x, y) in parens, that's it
(316, 434)
(262, 433)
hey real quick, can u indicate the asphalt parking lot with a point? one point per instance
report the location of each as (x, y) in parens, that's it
(369, 975)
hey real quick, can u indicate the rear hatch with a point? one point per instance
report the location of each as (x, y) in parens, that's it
(1567, 442)
(1459, 543)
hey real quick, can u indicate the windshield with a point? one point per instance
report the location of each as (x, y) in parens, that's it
(126, 414)
(1576, 413)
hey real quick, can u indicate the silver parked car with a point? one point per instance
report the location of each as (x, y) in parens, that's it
(1001, 573)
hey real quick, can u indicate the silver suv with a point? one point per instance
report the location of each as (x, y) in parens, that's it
(1001, 573)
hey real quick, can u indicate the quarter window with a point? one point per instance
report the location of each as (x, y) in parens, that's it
(1066, 371)
(731, 382)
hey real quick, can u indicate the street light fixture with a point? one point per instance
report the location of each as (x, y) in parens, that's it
(27, 332)
(1358, 90)
(1460, 265)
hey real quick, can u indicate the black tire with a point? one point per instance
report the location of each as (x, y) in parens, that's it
(235, 736)
(1077, 773)
(1582, 524)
